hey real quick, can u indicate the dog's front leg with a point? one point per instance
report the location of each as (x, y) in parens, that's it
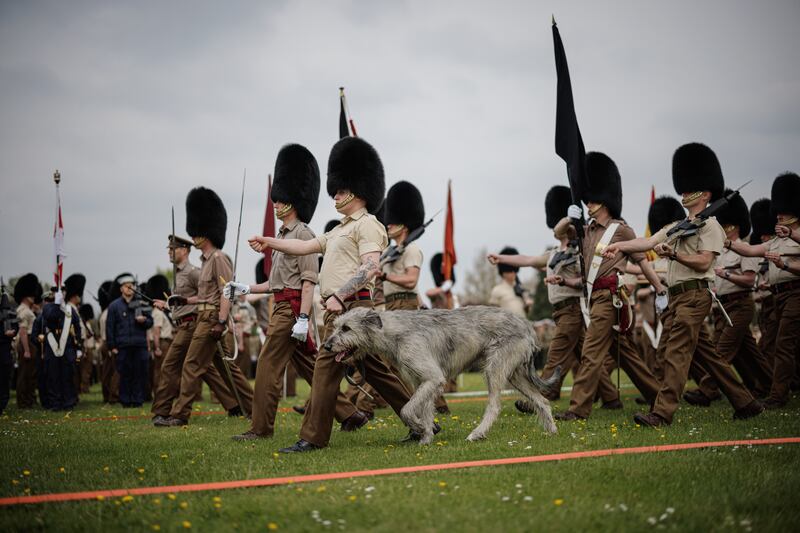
(428, 391)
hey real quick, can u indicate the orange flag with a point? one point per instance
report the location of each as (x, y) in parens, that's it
(449, 255)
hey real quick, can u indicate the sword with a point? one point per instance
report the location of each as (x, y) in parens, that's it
(174, 266)
(229, 374)
(231, 325)
(721, 308)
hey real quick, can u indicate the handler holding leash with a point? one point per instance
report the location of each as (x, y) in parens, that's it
(697, 176)
(351, 256)
(292, 279)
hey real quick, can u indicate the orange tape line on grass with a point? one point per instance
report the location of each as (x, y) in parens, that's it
(267, 482)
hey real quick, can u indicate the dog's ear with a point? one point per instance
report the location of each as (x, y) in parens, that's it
(371, 318)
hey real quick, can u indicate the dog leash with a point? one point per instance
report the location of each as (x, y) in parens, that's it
(348, 375)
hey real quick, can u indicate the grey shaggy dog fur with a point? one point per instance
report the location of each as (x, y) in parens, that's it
(429, 347)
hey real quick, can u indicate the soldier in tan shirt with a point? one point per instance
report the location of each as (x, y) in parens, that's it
(291, 280)
(697, 176)
(351, 258)
(609, 330)
(783, 253)
(206, 222)
(26, 292)
(735, 278)
(508, 294)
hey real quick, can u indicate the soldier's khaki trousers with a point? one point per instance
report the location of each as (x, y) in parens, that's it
(600, 342)
(684, 342)
(768, 325)
(787, 342)
(169, 384)
(738, 347)
(328, 375)
(156, 363)
(27, 372)
(278, 350)
(109, 377)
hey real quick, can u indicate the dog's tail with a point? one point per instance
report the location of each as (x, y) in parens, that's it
(539, 383)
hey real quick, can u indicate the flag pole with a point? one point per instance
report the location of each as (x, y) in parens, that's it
(58, 237)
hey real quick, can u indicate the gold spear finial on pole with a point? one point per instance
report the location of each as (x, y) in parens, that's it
(57, 177)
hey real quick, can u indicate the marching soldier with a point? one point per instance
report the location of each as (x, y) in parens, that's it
(109, 377)
(9, 327)
(442, 295)
(764, 222)
(735, 279)
(83, 374)
(212, 340)
(697, 176)
(26, 292)
(351, 257)
(61, 328)
(187, 278)
(161, 333)
(405, 212)
(564, 290)
(126, 335)
(607, 332)
(295, 191)
(783, 253)
(509, 294)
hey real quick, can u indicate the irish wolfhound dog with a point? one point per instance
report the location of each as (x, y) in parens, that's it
(428, 347)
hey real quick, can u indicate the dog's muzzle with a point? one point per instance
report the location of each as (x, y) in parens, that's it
(341, 356)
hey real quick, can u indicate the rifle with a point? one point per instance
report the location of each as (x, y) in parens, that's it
(687, 228)
(395, 251)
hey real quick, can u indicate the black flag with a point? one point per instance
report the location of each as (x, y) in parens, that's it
(569, 143)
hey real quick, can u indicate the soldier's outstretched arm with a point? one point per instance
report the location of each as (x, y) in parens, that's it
(747, 250)
(286, 246)
(535, 261)
(652, 277)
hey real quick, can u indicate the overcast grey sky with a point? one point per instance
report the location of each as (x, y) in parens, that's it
(137, 102)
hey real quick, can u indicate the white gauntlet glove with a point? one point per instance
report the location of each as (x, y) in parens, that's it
(661, 302)
(238, 289)
(575, 212)
(300, 329)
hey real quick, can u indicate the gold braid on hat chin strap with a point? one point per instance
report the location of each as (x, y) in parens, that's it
(283, 212)
(692, 197)
(594, 211)
(347, 200)
(789, 222)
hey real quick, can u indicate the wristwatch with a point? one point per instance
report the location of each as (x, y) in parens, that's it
(221, 322)
(303, 315)
(727, 274)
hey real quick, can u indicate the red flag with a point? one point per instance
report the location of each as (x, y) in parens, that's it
(58, 237)
(449, 254)
(269, 227)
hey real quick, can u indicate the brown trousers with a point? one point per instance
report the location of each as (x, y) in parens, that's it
(156, 363)
(27, 372)
(85, 371)
(601, 341)
(169, 385)
(279, 349)
(686, 342)
(328, 375)
(649, 353)
(787, 343)
(768, 325)
(202, 355)
(109, 377)
(738, 347)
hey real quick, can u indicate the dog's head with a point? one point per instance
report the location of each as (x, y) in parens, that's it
(352, 332)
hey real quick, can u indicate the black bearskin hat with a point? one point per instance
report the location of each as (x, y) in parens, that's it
(104, 294)
(605, 183)
(436, 270)
(735, 214)
(501, 268)
(763, 218)
(86, 311)
(663, 211)
(695, 167)
(260, 276)
(206, 216)
(330, 225)
(404, 206)
(27, 286)
(786, 194)
(74, 285)
(354, 165)
(297, 180)
(558, 199)
(157, 286)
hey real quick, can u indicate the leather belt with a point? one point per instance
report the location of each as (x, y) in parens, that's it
(207, 307)
(606, 282)
(185, 319)
(689, 285)
(401, 296)
(732, 297)
(786, 286)
(558, 306)
(363, 294)
(288, 294)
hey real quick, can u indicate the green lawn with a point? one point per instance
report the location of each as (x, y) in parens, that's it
(732, 489)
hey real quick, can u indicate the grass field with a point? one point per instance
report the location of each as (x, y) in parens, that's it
(747, 488)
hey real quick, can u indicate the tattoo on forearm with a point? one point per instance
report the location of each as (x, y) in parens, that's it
(358, 281)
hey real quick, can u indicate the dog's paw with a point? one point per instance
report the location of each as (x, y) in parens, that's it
(472, 437)
(426, 439)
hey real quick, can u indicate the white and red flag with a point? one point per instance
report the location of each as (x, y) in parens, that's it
(58, 238)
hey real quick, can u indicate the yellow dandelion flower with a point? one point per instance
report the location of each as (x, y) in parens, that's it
(26, 472)
(321, 488)
(106, 469)
(61, 469)
(127, 498)
(217, 505)
(442, 484)
(14, 482)
(558, 501)
(184, 505)
(100, 497)
(216, 499)
(275, 455)
(187, 525)
(156, 501)
(155, 527)
(352, 498)
(272, 526)
(171, 496)
(140, 470)
(164, 456)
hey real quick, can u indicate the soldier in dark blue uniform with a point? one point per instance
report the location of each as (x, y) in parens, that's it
(9, 326)
(126, 336)
(61, 328)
